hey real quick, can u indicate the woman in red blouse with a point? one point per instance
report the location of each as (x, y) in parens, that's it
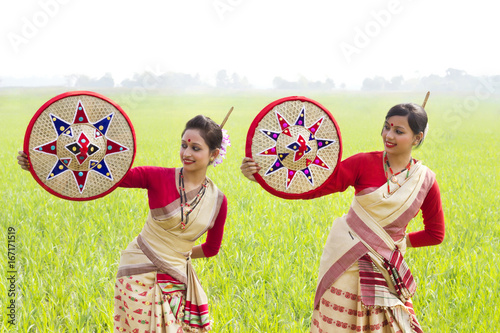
(156, 287)
(364, 284)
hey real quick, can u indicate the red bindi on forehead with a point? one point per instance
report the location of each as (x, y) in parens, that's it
(189, 140)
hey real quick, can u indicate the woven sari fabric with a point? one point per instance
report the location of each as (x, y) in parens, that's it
(371, 240)
(157, 267)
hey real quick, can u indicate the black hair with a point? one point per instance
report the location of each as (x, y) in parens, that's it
(210, 131)
(417, 117)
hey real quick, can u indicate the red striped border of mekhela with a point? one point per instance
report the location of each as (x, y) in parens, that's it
(369, 279)
(197, 311)
(415, 325)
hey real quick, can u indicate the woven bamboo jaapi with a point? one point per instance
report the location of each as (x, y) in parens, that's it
(80, 145)
(297, 144)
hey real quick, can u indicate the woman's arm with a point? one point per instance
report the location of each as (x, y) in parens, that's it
(432, 213)
(345, 175)
(214, 236)
(197, 252)
(141, 177)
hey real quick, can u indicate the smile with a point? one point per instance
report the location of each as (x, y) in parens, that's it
(188, 161)
(390, 145)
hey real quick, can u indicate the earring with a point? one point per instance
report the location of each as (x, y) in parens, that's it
(211, 159)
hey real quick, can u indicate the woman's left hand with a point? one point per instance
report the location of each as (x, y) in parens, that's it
(22, 160)
(249, 167)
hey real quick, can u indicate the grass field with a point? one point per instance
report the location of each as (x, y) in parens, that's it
(264, 278)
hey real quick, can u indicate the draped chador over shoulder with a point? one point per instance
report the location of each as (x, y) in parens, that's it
(364, 282)
(156, 282)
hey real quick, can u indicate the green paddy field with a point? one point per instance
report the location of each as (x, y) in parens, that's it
(263, 280)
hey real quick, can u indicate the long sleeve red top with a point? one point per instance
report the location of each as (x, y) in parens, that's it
(162, 190)
(366, 170)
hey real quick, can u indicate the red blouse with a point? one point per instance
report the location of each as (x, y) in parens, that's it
(162, 190)
(366, 170)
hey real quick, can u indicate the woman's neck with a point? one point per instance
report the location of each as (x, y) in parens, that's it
(193, 179)
(398, 162)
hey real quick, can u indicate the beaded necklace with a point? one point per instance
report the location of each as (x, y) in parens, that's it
(393, 178)
(189, 207)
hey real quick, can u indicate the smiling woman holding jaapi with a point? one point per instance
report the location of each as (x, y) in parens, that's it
(364, 284)
(156, 287)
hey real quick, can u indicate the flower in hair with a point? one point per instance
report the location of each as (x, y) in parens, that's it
(223, 149)
(425, 131)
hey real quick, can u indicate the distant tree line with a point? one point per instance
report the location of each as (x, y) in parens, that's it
(171, 80)
(303, 83)
(234, 81)
(106, 81)
(453, 80)
(146, 79)
(166, 80)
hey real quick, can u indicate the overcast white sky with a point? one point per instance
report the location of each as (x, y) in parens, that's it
(343, 40)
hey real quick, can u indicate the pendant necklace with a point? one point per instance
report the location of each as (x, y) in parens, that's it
(393, 178)
(187, 208)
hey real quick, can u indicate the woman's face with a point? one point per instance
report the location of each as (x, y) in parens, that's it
(195, 154)
(397, 135)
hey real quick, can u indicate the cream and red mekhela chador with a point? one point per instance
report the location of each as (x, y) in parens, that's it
(364, 284)
(156, 288)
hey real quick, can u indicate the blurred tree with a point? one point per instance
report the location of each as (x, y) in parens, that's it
(280, 83)
(82, 81)
(395, 83)
(329, 84)
(221, 79)
(169, 80)
(377, 83)
(303, 83)
(104, 82)
(453, 73)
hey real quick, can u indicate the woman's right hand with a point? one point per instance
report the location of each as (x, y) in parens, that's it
(22, 160)
(249, 167)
